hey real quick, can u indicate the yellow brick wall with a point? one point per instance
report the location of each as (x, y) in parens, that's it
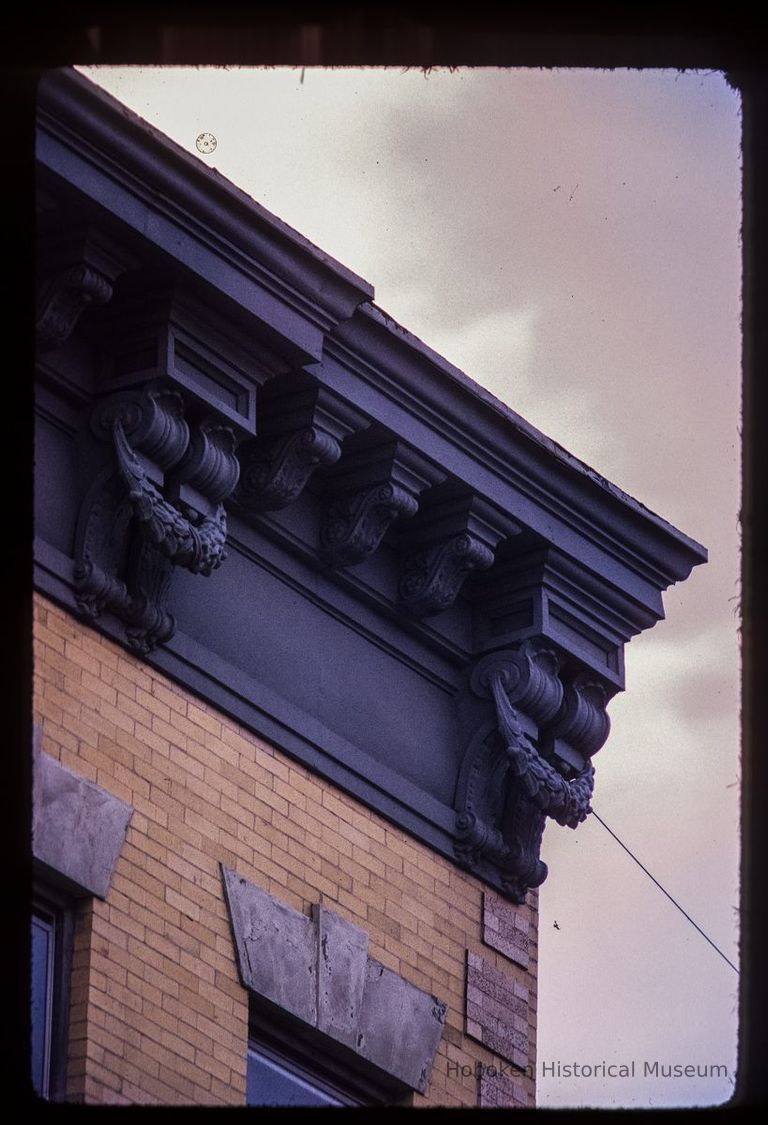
(157, 1011)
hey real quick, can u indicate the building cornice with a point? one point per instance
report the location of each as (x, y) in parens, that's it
(477, 423)
(241, 450)
(138, 176)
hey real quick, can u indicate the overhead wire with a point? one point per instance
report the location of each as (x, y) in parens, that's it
(662, 889)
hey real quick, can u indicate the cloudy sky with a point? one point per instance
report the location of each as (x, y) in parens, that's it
(570, 239)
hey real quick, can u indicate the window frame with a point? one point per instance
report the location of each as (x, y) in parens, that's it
(56, 909)
(319, 1061)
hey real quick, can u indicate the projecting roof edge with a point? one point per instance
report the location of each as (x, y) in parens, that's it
(693, 551)
(70, 105)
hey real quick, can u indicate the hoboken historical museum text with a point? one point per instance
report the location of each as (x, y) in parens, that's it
(557, 1069)
(633, 1069)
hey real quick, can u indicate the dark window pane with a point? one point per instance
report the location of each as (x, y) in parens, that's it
(269, 1083)
(43, 937)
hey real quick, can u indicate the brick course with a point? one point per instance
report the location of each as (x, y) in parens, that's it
(158, 1014)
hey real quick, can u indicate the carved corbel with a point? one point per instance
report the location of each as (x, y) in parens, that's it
(197, 546)
(454, 537)
(63, 300)
(274, 474)
(433, 578)
(377, 482)
(355, 525)
(508, 783)
(78, 273)
(299, 431)
(158, 506)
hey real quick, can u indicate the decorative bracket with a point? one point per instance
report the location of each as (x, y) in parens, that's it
(523, 766)
(432, 578)
(64, 298)
(377, 482)
(299, 431)
(355, 526)
(79, 272)
(456, 534)
(159, 506)
(274, 474)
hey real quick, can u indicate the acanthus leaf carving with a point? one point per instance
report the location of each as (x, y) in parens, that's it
(274, 474)
(130, 535)
(433, 577)
(106, 546)
(149, 576)
(103, 531)
(507, 786)
(565, 801)
(199, 548)
(498, 832)
(78, 265)
(355, 524)
(64, 299)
